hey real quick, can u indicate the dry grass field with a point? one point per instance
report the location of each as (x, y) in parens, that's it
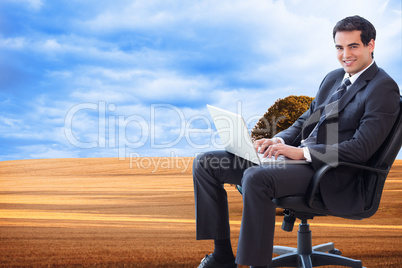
(108, 212)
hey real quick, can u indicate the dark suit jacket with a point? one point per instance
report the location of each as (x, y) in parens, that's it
(366, 114)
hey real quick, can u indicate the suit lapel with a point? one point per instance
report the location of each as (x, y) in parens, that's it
(358, 85)
(336, 85)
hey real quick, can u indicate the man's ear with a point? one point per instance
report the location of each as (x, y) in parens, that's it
(371, 45)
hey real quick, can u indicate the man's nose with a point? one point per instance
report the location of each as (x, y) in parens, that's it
(346, 53)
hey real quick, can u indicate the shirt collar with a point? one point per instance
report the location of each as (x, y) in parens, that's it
(354, 77)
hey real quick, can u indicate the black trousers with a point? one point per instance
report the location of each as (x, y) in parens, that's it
(260, 183)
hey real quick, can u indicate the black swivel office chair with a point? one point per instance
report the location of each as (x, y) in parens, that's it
(310, 205)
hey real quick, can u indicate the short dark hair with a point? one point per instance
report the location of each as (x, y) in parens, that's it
(356, 23)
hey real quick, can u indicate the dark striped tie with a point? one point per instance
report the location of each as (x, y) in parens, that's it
(328, 109)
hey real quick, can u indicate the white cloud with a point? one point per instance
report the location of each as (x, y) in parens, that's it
(51, 153)
(9, 122)
(34, 4)
(13, 43)
(51, 45)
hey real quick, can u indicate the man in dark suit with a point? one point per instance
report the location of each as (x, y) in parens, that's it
(344, 123)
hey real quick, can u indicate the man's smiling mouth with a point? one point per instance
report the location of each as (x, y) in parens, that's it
(348, 62)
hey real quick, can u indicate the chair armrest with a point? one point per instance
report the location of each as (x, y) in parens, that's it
(319, 174)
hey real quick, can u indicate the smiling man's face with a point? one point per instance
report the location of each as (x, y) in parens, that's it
(353, 55)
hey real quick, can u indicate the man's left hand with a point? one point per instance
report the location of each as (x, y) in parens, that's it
(286, 150)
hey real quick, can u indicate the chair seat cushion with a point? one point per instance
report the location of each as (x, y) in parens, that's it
(298, 206)
(297, 203)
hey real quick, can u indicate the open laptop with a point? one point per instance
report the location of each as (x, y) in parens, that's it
(235, 137)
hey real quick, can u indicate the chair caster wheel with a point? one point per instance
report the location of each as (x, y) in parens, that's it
(335, 251)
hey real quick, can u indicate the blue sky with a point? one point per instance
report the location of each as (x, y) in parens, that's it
(114, 78)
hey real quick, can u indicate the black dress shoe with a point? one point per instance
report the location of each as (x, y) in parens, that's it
(210, 262)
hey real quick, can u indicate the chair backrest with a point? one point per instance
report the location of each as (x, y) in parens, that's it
(387, 153)
(383, 158)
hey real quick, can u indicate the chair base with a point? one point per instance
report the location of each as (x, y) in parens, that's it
(306, 256)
